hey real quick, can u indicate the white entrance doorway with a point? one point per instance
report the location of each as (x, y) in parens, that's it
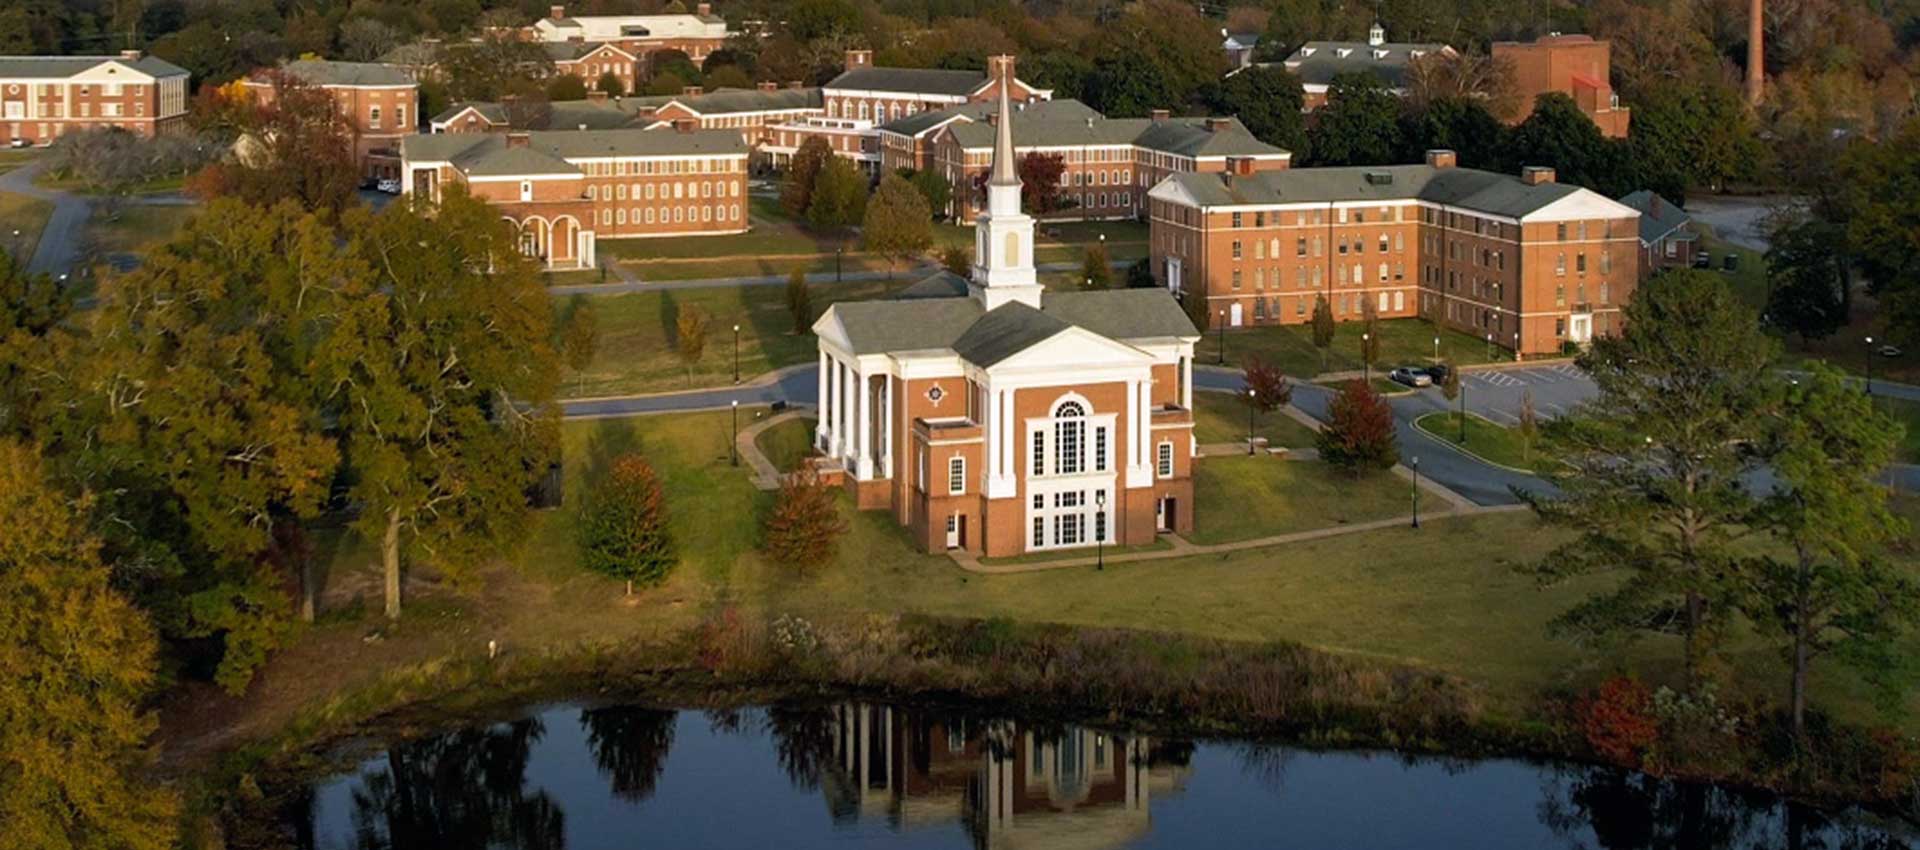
(954, 524)
(1173, 274)
(1580, 328)
(1233, 314)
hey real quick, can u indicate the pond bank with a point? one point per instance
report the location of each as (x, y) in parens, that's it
(1168, 685)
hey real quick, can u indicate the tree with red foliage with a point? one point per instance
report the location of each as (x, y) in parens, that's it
(1266, 390)
(1359, 433)
(295, 143)
(804, 529)
(1618, 721)
(1040, 176)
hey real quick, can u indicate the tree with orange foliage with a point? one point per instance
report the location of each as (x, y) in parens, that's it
(804, 529)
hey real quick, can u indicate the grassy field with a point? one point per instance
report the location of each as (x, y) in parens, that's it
(27, 215)
(787, 443)
(1908, 414)
(1446, 596)
(135, 227)
(11, 159)
(637, 354)
(1222, 418)
(1493, 442)
(1247, 497)
(1379, 384)
(1290, 347)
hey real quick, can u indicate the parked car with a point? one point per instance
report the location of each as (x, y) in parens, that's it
(1438, 372)
(389, 186)
(21, 143)
(1890, 351)
(1410, 376)
(1703, 260)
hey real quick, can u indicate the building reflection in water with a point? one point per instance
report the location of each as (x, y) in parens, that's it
(1011, 785)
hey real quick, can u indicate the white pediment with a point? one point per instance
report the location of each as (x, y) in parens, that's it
(111, 71)
(831, 332)
(1072, 352)
(1584, 203)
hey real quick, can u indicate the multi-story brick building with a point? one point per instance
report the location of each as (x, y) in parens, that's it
(591, 60)
(1318, 62)
(1525, 262)
(1576, 65)
(696, 35)
(381, 104)
(42, 97)
(566, 189)
(1667, 237)
(753, 112)
(597, 112)
(1110, 163)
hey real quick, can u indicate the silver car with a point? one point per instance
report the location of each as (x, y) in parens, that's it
(1410, 376)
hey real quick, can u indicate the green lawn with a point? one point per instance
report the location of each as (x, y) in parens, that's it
(1491, 441)
(1290, 347)
(787, 443)
(1243, 498)
(1222, 418)
(11, 159)
(1159, 544)
(155, 186)
(136, 226)
(27, 215)
(1446, 596)
(636, 352)
(1908, 414)
(1749, 281)
(1380, 385)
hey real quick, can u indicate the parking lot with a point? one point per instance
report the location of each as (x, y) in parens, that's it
(1498, 394)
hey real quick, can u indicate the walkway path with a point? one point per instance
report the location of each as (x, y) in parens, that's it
(65, 230)
(766, 476)
(629, 285)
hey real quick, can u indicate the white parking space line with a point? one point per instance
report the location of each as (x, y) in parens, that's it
(1569, 370)
(1502, 416)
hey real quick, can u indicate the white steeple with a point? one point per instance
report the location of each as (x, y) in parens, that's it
(1377, 35)
(1003, 235)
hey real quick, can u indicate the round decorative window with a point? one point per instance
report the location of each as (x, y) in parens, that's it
(935, 394)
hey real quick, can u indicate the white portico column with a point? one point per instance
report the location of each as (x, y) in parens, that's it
(886, 427)
(824, 439)
(1186, 382)
(863, 439)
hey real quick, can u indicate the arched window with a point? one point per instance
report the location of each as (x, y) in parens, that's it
(1069, 437)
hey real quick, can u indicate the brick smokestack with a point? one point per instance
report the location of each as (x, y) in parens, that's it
(1756, 50)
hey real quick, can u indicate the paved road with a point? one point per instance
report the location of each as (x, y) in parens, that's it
(1739, 219)
(59, 248)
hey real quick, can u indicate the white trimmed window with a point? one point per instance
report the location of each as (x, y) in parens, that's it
(1069, 438)
(1166, 460)
(1099, 450)
(956, 476)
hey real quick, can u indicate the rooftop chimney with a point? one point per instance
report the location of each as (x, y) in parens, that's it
(704, 10)
(692, 91)
(1215, 125)
(859, 59)
(518, 139)
(769, 85)
(1534, 175)
(131, 55)
(1442, 158)
(556, 12)
(1159, 114)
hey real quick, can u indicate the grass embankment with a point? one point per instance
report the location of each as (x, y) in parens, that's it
(1489, 441)
(1379, 384)
(1907, 413)
(1244, 497)
(1290, 347)
(24, 214)
(788, 443)
(1222, 418)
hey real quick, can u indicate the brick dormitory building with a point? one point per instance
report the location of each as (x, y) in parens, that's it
(380, 102)
(1523, 261)
(564, 190)
(42, 97)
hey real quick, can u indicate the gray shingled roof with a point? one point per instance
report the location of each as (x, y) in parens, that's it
(609, 114)
(918, 80)
(60, 67)
(728, 101)
(1658, 216)
(491, 111)
(1182, 136)
(1062, 109)
(549, 152)
(1325, 63)
(567, 51)
(936, 313)
(326, 72)
(1482, 191)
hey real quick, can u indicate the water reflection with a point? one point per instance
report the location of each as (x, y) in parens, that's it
(796, 776)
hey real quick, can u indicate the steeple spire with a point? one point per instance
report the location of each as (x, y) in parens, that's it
(1004, 173)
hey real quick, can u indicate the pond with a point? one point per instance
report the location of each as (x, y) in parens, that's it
(887, 776)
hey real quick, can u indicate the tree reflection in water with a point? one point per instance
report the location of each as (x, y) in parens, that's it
(630, 744)
(1602, 809)
(464, 789)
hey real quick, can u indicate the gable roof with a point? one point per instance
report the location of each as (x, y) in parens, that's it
(61, 67)
(1040, 110)
(614, 27)
(1181, 136)
(913, 80)
(730, 101)
(1318, 62)
(939, 313)
(589, 114)
(569, 51)
(1006, 330)
(553, 151)
(326, 72)
(1481, 191)
(1658, 216)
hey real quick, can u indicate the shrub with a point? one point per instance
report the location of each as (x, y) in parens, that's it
(623, 530)
(1359, 433)
(1617, 720)
(804, 529)
(957, 260)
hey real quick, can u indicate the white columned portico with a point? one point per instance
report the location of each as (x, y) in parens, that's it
(863, 464)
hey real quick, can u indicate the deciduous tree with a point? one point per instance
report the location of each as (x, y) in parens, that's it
(1807, 279)
(957, 260)
(1359, 434)
(297, 145)
(1266, 387)
(898, 224)
(839, 196)
(1324, 327)
(1653, 472)
(567, 87)
(1529, 425)
(690, 336)
(1358, 125)
(611, 85)
(579, 336)
(1269, 101)
(934, 187)
(799, 301)
(79, 662)
(1040, 176)
(796, 191)
(1095, 271)
(803, 530)
(623, 526)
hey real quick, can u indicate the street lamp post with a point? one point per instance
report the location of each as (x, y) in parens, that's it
(1869, 365)
(733, 445)
(1463, 413)
(1516, 346)
(1223, 337)
(1489, 348)
(1251, 398)
(1366, 357)
(1100, 539)
(836, 262)
(1416, 491)
(736, 354)
(1436, 349)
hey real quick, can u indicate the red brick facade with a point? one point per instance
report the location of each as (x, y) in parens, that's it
(44, 97)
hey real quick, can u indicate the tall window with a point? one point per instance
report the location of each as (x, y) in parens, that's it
(1069, 436)
(1099, 450)
(956, 476)
(1166, 460)
(1039, 453)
